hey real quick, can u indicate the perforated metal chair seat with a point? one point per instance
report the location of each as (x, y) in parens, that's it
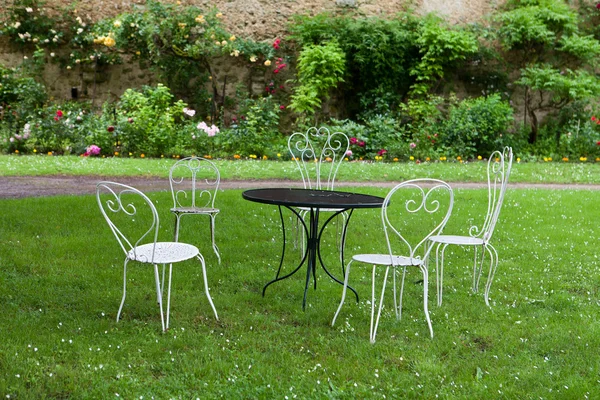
(164, 252)
(195, 210)
(458, 240)
(384, 259)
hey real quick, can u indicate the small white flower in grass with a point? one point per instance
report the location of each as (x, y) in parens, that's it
(35, 349)
(18, 376)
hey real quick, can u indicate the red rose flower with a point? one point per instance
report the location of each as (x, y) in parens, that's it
(110, 128)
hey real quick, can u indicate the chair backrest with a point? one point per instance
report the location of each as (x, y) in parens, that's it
(412, 212)
(130, 214)
(318, 153)
(498, 172)
(194, 182)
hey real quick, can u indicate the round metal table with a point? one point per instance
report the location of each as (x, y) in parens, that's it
(315, 201)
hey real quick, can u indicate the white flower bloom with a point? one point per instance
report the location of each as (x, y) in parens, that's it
(29, 9)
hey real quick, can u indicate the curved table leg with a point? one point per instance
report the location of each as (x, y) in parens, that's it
(318, 245)
(277, 277)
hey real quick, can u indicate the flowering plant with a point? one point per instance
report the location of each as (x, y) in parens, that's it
(209, 130)
(92, 150)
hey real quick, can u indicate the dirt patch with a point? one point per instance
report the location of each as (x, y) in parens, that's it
(14, 187)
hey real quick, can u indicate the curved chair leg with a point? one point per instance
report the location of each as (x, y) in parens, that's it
(160, 303)
(302, 237)
(480, 270)
(493, 265)
(440, 276)
(162, 285)
(373, 329)
(476, 274)
(124, 288)
(212, 236)
(399, 315)
(168, 292)
(343, 292)
(342, 245)
(177, 218)
(425, 295)
(201, 259)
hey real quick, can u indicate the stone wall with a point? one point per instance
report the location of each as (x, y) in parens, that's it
(256, 19)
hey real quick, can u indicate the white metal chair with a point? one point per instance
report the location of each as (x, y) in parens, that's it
(131, 214)
(498, 171)
(412, 212)
(194, 184)
(318, 154)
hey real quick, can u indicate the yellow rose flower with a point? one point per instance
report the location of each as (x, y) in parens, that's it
(232, 38)
(267, 63)
(109, 42)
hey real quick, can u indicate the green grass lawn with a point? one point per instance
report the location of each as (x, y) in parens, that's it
(547, 172)
(61, 284)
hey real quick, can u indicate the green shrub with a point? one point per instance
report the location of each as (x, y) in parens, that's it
(320, 68)
(148, 120)
(477, 126)
(20, 96)
(255, 129)
(580, 139)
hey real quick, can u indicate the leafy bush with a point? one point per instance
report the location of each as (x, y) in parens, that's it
(147, 120)
(320, 68)
(20, 95)
(255, 129)
(60, 128)
(441, 48)
(379, 54)
(580, 139)
(476, 126)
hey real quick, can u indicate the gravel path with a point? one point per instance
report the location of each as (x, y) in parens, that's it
(36, 186)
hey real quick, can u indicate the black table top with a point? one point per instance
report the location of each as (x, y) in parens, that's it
(312, 198)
